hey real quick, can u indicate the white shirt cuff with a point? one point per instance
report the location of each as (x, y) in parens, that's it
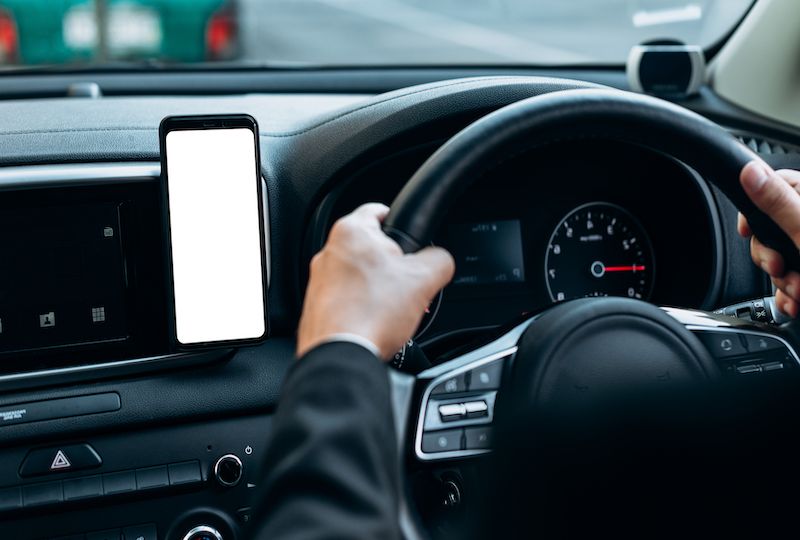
(355, 339)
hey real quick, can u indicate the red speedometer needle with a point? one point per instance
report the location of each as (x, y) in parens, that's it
(625, 268)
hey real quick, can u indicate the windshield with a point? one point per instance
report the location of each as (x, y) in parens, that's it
(87, 33)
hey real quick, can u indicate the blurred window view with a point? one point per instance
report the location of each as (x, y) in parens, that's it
(156, 33)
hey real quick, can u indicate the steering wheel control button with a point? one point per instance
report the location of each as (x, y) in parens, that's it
(59, 459)
(152, 478)
(760, 311)
(756, 343)
(459, 411)
(453, 385)
(747, 369)
(184, 473)
(228, 470)
(203, 532)
(41, 494)
(476, 409)
(83, 488)
(723, 344)
(772, 366)
(140, 532)
(486, 377)
(442, 441)
(452, 412)
(478, 438)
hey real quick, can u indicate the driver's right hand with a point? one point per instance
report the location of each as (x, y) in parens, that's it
(777, 194)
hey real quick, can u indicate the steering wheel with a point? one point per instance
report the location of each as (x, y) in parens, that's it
(578, 351)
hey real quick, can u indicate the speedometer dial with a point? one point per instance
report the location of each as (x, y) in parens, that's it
(599, 249)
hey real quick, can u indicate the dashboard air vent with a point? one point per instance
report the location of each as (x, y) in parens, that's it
(765, 146)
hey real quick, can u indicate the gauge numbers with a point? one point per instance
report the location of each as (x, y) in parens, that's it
(599, 249)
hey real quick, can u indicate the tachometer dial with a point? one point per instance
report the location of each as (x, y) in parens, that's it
(599, 249)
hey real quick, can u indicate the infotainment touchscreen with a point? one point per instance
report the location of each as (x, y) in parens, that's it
(62, 277)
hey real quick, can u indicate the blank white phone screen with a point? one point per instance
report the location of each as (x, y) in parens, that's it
(217, 264)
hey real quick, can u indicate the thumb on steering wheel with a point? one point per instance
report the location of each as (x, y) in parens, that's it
(774, 196)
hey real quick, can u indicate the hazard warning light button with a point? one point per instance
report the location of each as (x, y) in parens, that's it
(73, 457)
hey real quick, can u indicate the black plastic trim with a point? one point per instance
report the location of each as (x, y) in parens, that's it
(318, 80)
(119, 368)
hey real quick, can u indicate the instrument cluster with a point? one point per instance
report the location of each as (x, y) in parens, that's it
(560, 223)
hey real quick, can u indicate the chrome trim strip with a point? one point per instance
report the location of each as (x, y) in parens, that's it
(506, 341)
(699, 319)
(44, 176)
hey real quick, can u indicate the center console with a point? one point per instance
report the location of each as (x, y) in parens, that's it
(174, 482)
(86, 440)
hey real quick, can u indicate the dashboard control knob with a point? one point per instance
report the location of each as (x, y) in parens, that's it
(203, 532)
(228, 470)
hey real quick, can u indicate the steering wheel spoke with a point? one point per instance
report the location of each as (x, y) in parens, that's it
(739, 347)
(457, 407)
(456, 412)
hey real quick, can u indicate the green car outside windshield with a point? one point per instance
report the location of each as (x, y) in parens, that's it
(65, 31)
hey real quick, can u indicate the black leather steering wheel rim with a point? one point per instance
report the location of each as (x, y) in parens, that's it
(572, 115)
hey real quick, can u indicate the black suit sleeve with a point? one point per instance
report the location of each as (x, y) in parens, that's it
(331, 468)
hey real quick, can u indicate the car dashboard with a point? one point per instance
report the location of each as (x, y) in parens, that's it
(104, 428)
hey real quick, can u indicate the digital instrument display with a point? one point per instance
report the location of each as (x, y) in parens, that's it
(487, 253)
(62, 280)
(215, 234)
(599, 249)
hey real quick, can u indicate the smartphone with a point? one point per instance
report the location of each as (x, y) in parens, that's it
(212, 191)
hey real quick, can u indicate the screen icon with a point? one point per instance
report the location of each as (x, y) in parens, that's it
(108, 232)
(47, 320)
(98, 314)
